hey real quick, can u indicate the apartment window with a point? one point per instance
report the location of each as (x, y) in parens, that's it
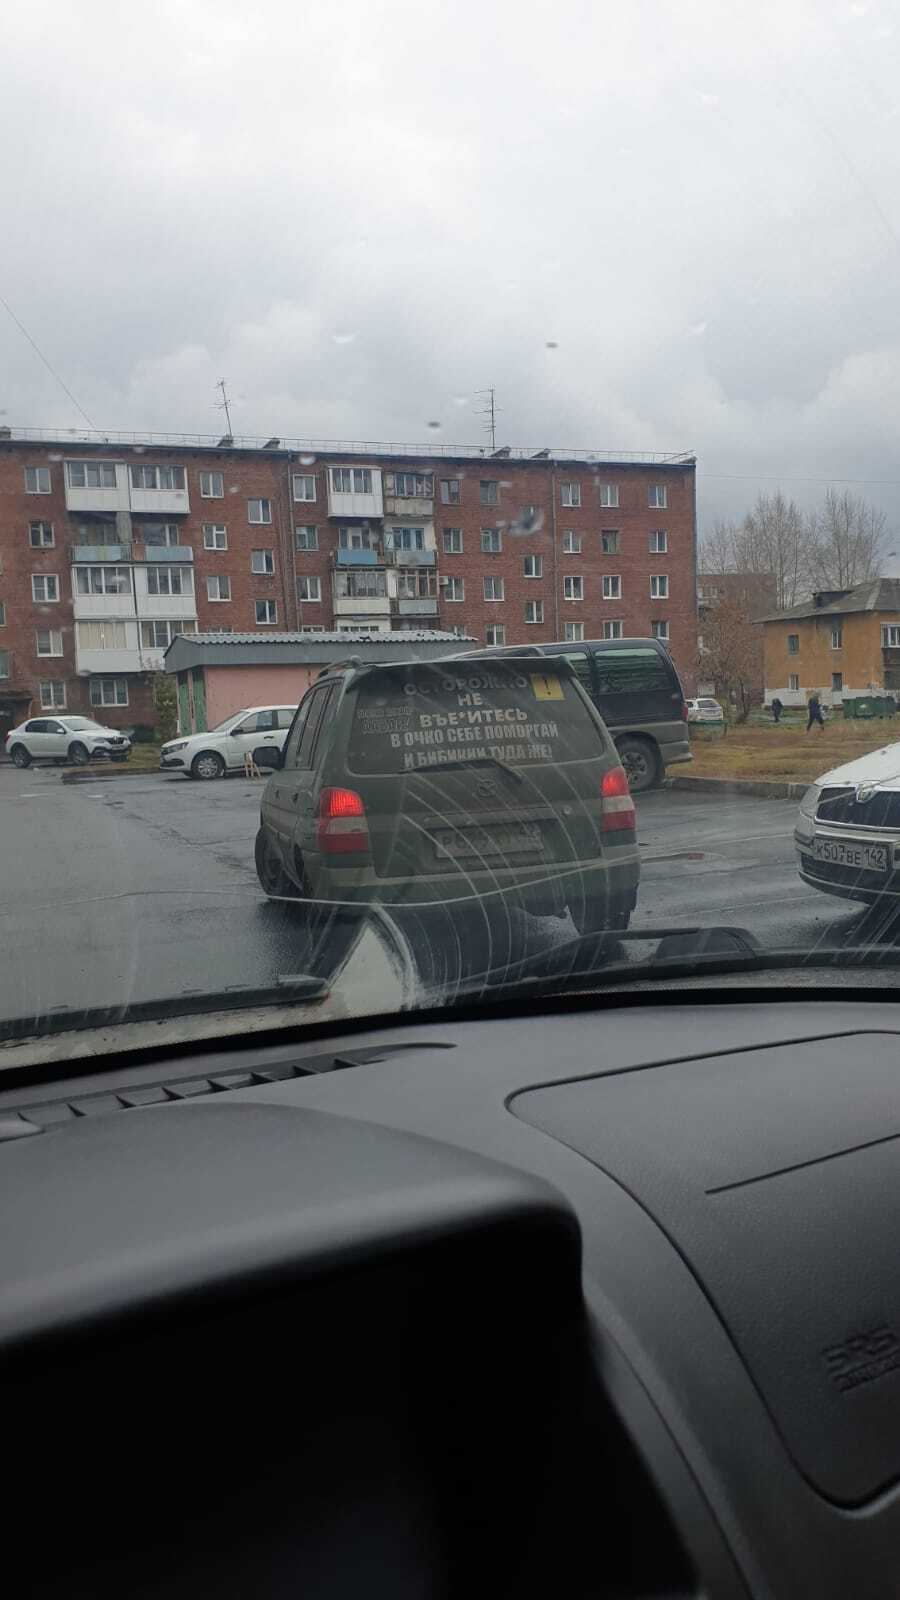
(493, 589)
(368, 584)
(570, 494)
(416, 585)
(44, 586)
(534, 610)
(489, 491)
(660, 630)
(453, 542)
(41, 534)
(170, 580)
(109, 691)
(414, 485)
(357, 538)
(37, 480)
(454, 589)
(612, 587)
(890, 636)
(212, 485)
(659, 542)
(573, 632)
(495, 633)
(405, 539)
(304, 486)
(159, 635)
(306, 538)
(313, 627)
(491, 541)
(837, 638)
(259, 511)
(609, 542)
(837, 682)
(533, 566)
(794, 681)
(266, 613)
(659, 586)
(793, 641)
(609, 494)
(573, 588)
(91, 474)
(218, 588)
(309, 588)
(2, 613)
(656, 496)
(611, 630)
(156, 534)
(4, 663)
(571, 543)
(105, 635)
(450, 491)
(215, 536)
(262, 563)
(168, 478)
(351, 480)
(102, 580)
(49, 642)
(53, 694)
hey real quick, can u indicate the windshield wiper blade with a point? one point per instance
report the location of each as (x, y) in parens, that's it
(192, 1002)
(477, 761)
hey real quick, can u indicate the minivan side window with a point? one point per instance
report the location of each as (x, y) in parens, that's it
(318, 708)
(292, 742)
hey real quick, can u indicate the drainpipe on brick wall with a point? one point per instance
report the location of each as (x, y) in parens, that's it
(288, 563)
(555, 555)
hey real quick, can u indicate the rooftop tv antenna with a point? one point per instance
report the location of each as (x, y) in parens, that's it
(223, 405)
(489, 411)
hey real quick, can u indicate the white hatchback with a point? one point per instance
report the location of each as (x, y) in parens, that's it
(223, 748)
(705, 710)
(76, 740)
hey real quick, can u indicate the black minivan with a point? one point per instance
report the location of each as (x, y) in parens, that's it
(635, 687)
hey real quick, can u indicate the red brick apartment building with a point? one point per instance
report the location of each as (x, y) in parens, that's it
(109, 546)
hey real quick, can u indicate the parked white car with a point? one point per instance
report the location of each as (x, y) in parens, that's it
(76, 740)
(704, 710)
(848, 829)
(223, 748)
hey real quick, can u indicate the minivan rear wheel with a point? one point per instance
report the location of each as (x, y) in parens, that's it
(273, 879)
(641, 760)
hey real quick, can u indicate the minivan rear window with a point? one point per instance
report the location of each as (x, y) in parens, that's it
(632, 671)
(427, 715)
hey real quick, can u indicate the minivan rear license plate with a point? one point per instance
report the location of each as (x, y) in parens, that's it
(490, 841)
(841, 853)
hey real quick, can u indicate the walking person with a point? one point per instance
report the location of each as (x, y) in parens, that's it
(777, 709)
(814, 707)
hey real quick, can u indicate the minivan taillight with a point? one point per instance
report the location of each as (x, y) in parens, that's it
(616, 804)
(342, 827)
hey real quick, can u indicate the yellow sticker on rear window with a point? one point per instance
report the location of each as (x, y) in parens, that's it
(546, 688)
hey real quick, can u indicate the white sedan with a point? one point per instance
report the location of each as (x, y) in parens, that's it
(848, 830)
(77, 740)
(223, 748)
(705, 710)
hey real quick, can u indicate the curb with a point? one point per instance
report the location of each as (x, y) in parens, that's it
(92, 774)
(749, 786)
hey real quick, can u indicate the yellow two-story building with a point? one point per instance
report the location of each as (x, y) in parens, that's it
(841, 642)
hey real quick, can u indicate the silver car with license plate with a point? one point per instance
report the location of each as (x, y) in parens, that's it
(849, 828)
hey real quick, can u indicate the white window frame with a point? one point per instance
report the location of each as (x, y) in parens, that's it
(211, 532)
(491, 542)
(103, 633)
(890, 636)
(78, 474)
(658, 497)
(54, 685)
(41, 543)
(533, 566)
(208, 492)
(455, 546)
(313, 585)
(268, 621)
(304, 480)
(572, 542)
(837, 638)
(609, 495)
(570, 493)
(794, 682)
(488, 491)
(44, 578)
(166, 479)
(218, 599)
(659, 586)
(610, 533)
(185, 579)
(41, 482)
(310, 539)
(173, 626)
(495, 633)
(611, 629)
(422, 485)
(168, 542)
(102, 699)
(536, 607)
(791, 636)
(262, 563)
(454, 591)
(658, 542)
(573, 632)
(573, 587)
(120, 585)
(612, 586)
(450, 491)
(312, 627)
(55, 638)
(403, 538)
(493, 583)
(4, 663)
(265, 511)
(659, 629)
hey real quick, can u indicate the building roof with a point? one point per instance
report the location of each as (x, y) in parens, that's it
(879, 594)
(309, 649)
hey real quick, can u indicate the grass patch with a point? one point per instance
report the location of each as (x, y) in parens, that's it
(785, 751)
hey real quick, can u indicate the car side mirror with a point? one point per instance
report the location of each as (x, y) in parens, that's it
(268, 755)
(235, 731)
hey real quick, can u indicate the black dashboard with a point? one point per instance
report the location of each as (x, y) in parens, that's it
(597, 1300)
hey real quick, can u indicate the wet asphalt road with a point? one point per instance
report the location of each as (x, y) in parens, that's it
(140, 887)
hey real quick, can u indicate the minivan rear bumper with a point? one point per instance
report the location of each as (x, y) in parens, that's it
(541, 891)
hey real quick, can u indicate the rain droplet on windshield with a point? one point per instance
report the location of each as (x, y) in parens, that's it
(551, 344)
(434, 424)
(343, 338)
(460, 399)
(307, 461)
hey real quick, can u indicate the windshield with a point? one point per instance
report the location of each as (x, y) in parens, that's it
(516, 491)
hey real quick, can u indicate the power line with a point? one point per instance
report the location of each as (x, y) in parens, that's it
(783, 477)
(65, 388)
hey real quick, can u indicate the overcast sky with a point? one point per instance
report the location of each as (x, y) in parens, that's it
(651, 226)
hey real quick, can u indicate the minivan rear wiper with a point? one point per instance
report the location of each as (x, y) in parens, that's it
(476, 761)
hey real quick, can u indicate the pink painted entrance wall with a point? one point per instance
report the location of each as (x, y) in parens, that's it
(230, 689)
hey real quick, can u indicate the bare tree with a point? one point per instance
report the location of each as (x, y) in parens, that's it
(716, 552)
(730, 656)
(774, 538)
(847, 539)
